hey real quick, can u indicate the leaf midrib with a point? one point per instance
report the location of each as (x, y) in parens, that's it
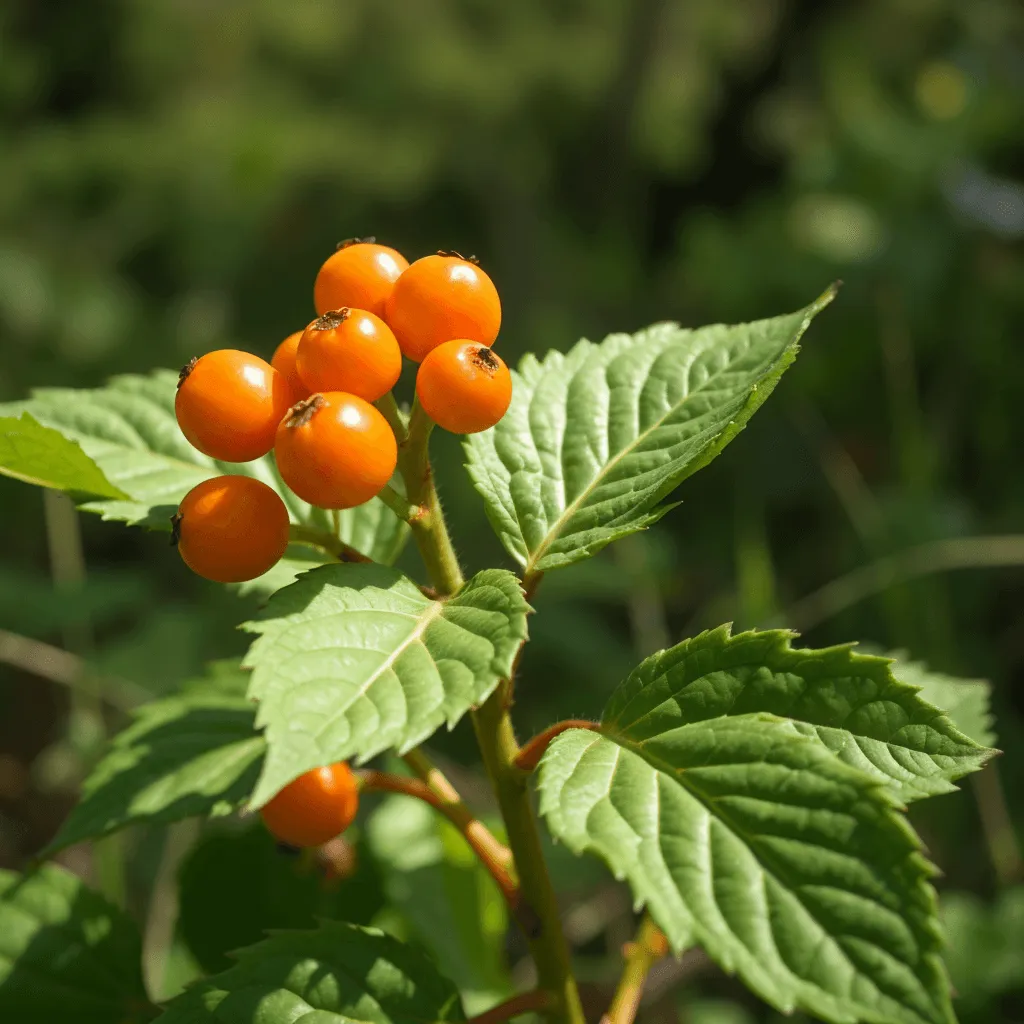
(763, 859)
(571, 509)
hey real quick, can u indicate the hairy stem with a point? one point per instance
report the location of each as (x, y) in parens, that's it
(641, 954)
(326, 541)
(533, 750)
(525, 1002)
(537, 910)
(493, 855)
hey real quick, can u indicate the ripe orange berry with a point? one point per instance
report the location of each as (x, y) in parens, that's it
(335, 450)
(440, 298)
(229, 404)
(315, 807)
(464, 387)
(231, 528)
(284, 362)
(349, 350)
(361, 274)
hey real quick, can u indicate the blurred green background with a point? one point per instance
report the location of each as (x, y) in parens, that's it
(173, 172)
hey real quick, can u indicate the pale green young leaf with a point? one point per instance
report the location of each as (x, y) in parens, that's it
(454, 908)
(852, 702)
(128, 430)
(353, 660)
(338, 974)
(66, 954)
(966, 701)
(595, 439)
(790, 868)
(195, 753)
(43, 456)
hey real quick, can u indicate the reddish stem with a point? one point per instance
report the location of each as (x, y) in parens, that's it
(525, 1002)
(531, 752)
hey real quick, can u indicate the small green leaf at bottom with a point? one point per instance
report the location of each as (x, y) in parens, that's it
(338, 974)
(66, 954)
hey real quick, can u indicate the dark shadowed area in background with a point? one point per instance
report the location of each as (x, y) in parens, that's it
(173, 173)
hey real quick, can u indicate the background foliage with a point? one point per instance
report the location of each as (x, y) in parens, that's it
(174, 172)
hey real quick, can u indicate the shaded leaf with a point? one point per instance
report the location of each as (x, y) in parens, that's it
(852, 702)
(42, 456)
(335, 975)
(66, 954)
(353, 660)
(789, 867)
(596, 438)
(195, 753)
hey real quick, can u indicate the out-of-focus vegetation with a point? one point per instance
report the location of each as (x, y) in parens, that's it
(173, 172)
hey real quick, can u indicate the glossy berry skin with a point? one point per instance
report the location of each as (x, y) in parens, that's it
(440, 298)
(359, 274)
(349, 350)
(231, 528)
(335, 450)
(315, 807)
(284, 362)
(464, 387)
(229, 404)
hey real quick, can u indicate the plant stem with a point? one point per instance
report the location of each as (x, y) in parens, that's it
(641, 954)
(498, 746)
(461, 816)
(997, 825)
(388, 408)
(326, 541)
(493, 855)
(547, 940)
(398, 504)
(525, 1002)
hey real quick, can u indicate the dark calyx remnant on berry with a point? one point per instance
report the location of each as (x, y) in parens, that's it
(486, 360)
(302, 412)
(458, 255)
(346, 242)
(186, 370)
(331, 319)
(175, 529)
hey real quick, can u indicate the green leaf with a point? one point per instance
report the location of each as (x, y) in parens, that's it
(339, 974)
(66, 954)
(128, 431)
(789, 867)
(259, 888)
(196, 753)
(851, 702)
(450, 901)
(596, 438)
(353, 660)
(42, 456)
(966, 701)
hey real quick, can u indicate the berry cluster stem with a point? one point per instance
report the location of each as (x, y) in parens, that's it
(538, 906)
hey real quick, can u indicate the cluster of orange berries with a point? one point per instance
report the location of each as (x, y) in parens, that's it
(312, 404)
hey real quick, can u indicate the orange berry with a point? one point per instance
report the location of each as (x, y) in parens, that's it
(314, 807)
(284, 362)
(335, 450)
(440, 298)
(349, 350)
(361, 274)
(231, 528)
(229, 404)
(464, 387)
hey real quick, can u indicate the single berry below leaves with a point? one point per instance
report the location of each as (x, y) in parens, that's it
(439, 298)
(359, 274)
(229, 404)
(230, 529)
(335, 450)
(349, 350)
(315, 807)
(464, 386)
(284, 362)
